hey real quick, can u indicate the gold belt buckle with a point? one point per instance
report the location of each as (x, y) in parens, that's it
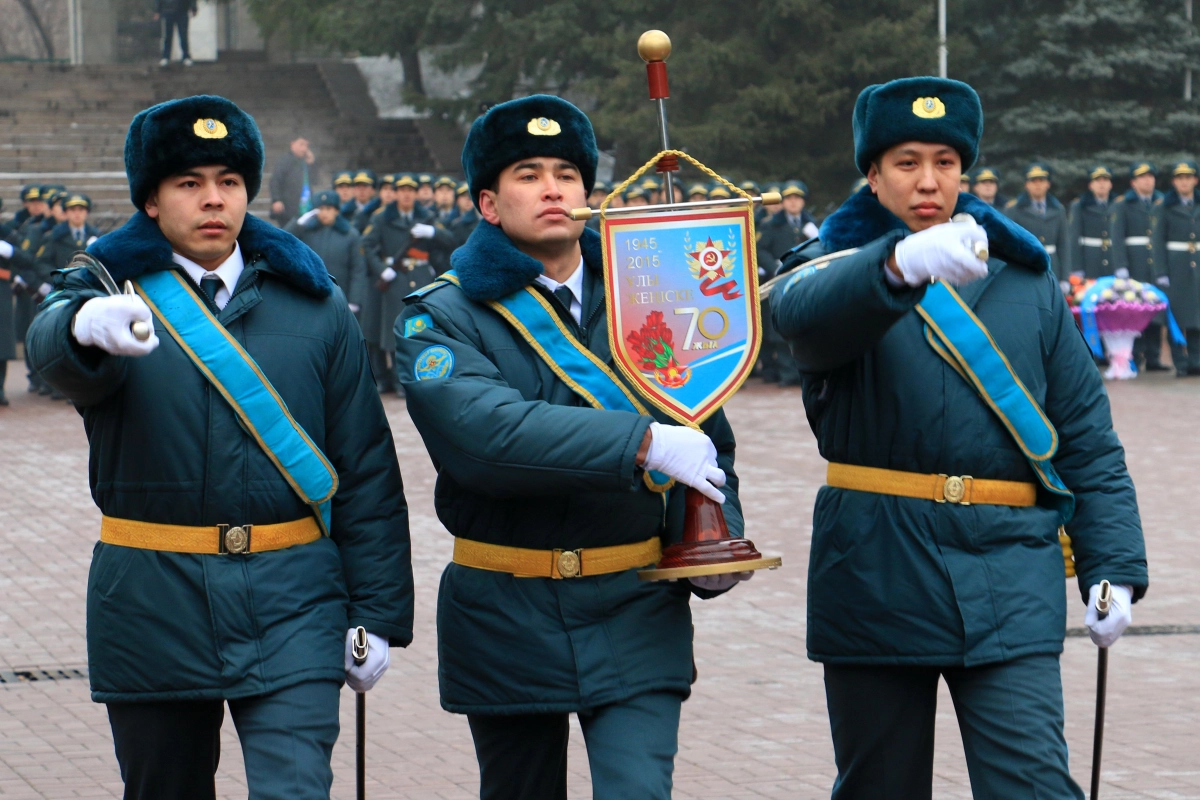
(1191, 247)
(955, 489)
(569, 562)
(233, 540)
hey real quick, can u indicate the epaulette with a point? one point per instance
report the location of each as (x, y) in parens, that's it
(1011, 203)
(1120, 199)
(41, 250)
(428, 288)
(367, 229)
(1158, 202)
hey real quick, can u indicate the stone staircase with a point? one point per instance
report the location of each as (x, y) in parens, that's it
(66, 125)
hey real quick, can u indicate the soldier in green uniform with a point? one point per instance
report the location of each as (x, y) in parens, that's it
(443, 199)
(467, 218)
(780, 234)
(425, 190)
(343, 184)
(933, 351)
(337, 243)
(1178, 238)
(1136, 215)
(985, 184)
(964, 183)
(1040, 213)
(253, 511)
(1090, 224)
(534, 481)
(404, 244)
(366, 198)
(653, 188)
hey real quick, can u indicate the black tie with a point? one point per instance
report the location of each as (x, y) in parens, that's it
(209, 284)
(564, 296)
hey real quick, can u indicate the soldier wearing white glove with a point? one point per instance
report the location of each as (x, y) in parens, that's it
(688, 456)
(361, 677)
(946, 251)
(1105, 632)
(423, 230)
(105, 322)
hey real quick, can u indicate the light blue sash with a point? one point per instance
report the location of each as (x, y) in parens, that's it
(231, 370)
(961, 338)
(539, 325)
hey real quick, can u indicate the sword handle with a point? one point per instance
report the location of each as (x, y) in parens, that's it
(1104, 599)
(140, 330)
(359, 646)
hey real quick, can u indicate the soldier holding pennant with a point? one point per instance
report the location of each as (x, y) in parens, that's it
(254, 515)
(554, 477)
(964, 422)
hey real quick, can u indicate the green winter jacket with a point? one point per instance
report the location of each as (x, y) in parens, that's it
(524, 461)
(895, 580)
(167, 448)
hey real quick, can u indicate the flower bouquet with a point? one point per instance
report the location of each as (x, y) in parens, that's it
(654, 348)
(1115, 311)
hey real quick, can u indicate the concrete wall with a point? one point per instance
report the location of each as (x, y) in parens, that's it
(93, 31)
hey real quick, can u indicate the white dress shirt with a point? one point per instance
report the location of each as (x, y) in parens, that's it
(575, 284)
(229, 272)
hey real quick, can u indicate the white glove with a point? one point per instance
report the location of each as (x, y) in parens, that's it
(944, 251)
(6, 250)
(354, 308)
(1163, 281)
(18, 280)
(1105, 632)
(388, 274)
(91, 239)
(44, 289)
(1121, 273)
(688, 456)
(1065, 286)
(361, 677)
(104, 322)
(306, 216)
(423, 231)
(719, 583)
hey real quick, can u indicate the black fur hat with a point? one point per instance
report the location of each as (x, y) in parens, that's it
(538, 125)
(192, 132)
(917, 110)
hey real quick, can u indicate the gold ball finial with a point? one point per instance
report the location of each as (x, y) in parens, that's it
(654, 46)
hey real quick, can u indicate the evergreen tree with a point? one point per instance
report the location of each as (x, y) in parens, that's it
(1078, 82)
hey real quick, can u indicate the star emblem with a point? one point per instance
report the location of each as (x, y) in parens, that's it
(711, 257)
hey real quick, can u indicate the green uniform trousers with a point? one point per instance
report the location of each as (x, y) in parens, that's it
(631, 749)
(169, 750)
(1010, 716)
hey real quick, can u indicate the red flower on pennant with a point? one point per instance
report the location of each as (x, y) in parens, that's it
(654, 348)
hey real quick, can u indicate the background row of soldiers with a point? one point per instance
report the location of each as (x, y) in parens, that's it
(1140, 233)
(41, 237)
(382, 237)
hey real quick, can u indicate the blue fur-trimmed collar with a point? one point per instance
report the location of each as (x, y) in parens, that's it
(1023, 201)
(1132, 197)
(139, 247)
(489, 266)
(340, 224)
(64, 229)
(863, 219)
(1088, 200)
(1172, 199)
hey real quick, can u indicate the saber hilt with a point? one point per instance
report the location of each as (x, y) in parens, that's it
(359, 646)
(1104, 599)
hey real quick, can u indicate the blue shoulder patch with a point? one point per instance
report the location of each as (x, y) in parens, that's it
(433, 363)
(419, 323)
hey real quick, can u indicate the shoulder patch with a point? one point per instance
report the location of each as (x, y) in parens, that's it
(1010, 203)
(434, 363)
(1158, 202)
(417, 324)
(367, 230)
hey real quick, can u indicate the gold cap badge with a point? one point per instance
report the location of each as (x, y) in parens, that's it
(210, 129)
(1141, 169)
(540, 126)
(929, 108)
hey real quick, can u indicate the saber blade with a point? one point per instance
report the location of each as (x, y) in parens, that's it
(359, 648)
(1103, 606)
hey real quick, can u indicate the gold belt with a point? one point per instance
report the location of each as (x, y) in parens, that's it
(209, 539)
(962, 490)
(556, 564)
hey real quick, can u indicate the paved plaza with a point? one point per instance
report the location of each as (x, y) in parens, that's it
(755, 726)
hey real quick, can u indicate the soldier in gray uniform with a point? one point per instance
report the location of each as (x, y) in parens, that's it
(1090, 224)
(1136, 216)
(1040, 213)
(1179, 237)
